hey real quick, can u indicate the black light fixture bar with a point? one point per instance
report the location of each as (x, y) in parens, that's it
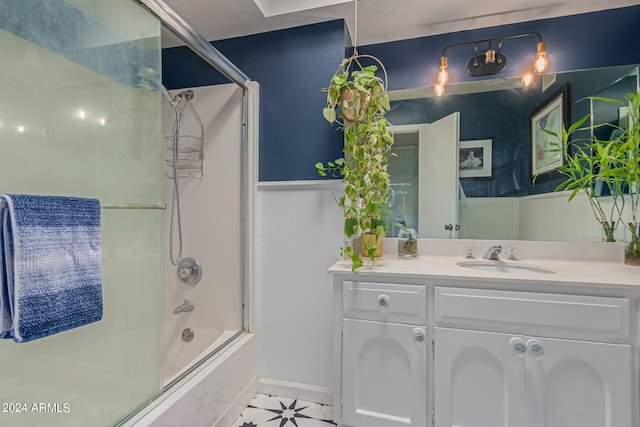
(478, 65)
(492, 61)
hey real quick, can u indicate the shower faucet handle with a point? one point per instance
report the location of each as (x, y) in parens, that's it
(184, 272)
(189, 271)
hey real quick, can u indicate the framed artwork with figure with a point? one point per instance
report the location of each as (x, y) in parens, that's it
(550, 116)
(474, 159)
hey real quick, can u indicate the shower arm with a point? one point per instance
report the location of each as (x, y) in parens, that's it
(166, 93)
(188, 95)
(175, 101)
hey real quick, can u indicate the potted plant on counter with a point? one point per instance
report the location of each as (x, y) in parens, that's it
(613, 164)
(357, 102)
(585, 172)
(628, 171)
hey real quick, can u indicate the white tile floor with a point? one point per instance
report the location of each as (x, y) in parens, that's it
(273, 411)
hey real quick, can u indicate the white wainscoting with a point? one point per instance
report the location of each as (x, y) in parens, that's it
(541, 217)
(298, 236)
(551, 216)
(499, 216)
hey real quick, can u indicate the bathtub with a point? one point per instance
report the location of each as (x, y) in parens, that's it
(213, 395)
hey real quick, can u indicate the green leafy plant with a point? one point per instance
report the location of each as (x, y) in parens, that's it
(585, 171)
(357, 102)
(626, 169)
(612, 163)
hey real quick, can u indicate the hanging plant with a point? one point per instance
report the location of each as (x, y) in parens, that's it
(357, 102)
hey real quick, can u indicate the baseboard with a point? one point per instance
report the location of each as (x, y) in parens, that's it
(310, 393)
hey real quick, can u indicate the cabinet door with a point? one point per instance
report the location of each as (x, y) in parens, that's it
(479, 379)
(384, 374)
(576, 383)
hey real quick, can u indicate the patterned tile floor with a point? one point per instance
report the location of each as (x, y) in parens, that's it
(273, 411)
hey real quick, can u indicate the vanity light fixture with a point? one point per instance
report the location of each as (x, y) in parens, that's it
(492, 61)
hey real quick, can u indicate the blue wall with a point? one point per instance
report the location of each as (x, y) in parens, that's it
(293, 65)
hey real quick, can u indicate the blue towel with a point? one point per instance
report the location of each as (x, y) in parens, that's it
(51, 265)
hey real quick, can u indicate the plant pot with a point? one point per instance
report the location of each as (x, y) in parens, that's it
(632, 251)
(407, 243)
(369, 239)
(631, 258)
(352, 107)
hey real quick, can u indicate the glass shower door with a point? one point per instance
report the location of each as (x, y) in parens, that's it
(80, 116)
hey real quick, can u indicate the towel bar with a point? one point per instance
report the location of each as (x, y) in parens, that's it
(136, 206)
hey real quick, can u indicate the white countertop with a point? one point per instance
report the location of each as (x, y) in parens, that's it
(566, 272)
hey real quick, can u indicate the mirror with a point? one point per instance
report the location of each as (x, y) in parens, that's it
(497, 197)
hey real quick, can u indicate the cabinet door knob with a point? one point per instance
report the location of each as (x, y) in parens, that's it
(535, 348)
(419, 334)
(518, 346)
(383, 302)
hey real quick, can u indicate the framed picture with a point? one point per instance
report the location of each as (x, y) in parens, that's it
(550, 116)
(474, 158)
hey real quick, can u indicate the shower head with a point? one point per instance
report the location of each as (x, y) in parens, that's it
(186, 94)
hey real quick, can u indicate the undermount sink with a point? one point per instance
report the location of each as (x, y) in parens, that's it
(505, 267)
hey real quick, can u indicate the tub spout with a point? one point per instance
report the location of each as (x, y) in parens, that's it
(184, 307)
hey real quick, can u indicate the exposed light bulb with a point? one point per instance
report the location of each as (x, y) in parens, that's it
(20, 129)
(490, 57)
(439, 90)
(102, 121)
(443, 74)
(81, 114)
(541, 63)
(527, 79)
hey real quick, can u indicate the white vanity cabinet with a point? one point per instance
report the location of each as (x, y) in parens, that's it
(384, 349)
(489, 379)
(425, 343)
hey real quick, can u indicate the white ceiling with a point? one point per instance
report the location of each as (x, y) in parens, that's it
(378, 20)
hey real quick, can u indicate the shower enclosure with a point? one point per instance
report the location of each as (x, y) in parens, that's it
(202, 296)
(81, 115)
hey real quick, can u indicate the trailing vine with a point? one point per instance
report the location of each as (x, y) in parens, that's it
(357, 102)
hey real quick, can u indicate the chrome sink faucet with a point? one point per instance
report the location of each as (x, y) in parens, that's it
(493, 253)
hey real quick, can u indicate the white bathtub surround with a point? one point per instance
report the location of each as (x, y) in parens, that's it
(215, 392)
(211, 228)
(214, 395)
(181, 360)
(268, 410)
